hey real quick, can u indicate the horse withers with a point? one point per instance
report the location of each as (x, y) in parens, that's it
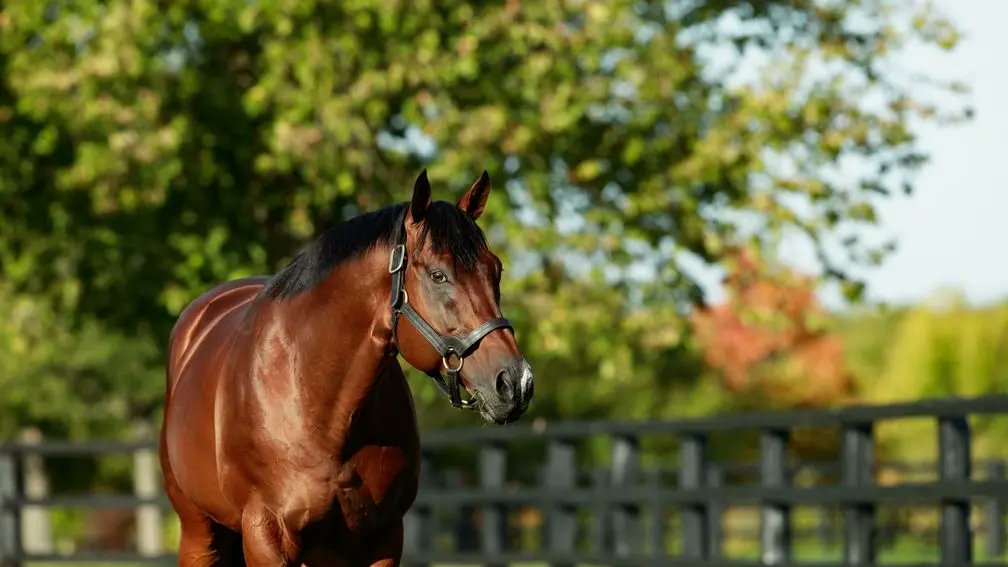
(289, 434)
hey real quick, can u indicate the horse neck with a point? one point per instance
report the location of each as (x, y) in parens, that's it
(341, 332)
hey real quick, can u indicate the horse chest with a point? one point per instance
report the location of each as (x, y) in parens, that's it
(375, 486)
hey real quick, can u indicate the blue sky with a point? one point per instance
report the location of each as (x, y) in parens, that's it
(953, 231)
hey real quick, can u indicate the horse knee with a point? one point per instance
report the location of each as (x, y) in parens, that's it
(267, 541)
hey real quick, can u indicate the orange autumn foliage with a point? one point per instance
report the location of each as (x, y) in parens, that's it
(763, 340)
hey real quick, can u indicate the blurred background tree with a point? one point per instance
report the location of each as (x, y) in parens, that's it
(153, 149)
(771, 342)
(940, 347)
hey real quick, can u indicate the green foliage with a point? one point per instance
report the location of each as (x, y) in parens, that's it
(72, 383)
(940, 348)
(944, 349)
(151, 150)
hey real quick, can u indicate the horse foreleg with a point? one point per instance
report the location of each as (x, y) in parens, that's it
(266, 541)
(196, 543)
(199, 545)
(205, 544)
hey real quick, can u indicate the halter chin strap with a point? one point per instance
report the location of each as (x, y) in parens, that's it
(447, 346)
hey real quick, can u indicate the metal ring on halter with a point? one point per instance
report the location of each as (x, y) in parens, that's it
(444, 362)
(405, 297)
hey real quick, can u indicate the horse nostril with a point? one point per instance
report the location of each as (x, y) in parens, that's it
(503, 385)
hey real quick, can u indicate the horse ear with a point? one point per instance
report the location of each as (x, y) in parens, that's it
(421, 197)
(474, 201)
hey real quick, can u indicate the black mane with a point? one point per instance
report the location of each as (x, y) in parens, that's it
(446, 228)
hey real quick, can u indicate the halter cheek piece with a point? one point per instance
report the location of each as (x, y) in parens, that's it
(446, 345)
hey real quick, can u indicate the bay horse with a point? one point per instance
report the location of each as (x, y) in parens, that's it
(289, 433)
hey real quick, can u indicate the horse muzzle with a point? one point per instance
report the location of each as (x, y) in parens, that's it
(513, 387)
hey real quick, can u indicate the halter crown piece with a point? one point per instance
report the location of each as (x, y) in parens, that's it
(449, 384)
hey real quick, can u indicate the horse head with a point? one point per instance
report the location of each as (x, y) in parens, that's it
(446, 284)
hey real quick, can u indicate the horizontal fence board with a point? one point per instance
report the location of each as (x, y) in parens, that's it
(918, 493)
(635, 560)
(477, 558)
(87, 501)
(915, 493)
(101, 557)
(77, 449)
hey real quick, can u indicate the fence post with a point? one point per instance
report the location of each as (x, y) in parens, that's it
(418, 525)
(10, 510)
(859, 517)
(775, 524)
(493, 472)
(36, 533)
(145, 485)
(824, 527)
(954, 458)
(562, 521)
(655, 537)
(715, 514)
(693, 468)
(625, 517)
(995, 512)
(463, 518)
(600, 524)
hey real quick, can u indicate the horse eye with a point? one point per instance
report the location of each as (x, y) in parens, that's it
(439, 277)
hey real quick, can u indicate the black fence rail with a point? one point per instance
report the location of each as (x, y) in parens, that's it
(623, 518)
(652, 493)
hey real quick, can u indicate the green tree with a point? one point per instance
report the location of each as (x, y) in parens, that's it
(152, 149)
(71, 383)
(940, 348)
(943, 349)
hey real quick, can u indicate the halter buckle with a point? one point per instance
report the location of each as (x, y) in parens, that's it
(456, 370)
(397, 259)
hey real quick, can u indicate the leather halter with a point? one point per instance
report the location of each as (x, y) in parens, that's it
(446, 345)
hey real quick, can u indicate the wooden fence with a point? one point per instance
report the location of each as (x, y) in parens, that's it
(630, 493)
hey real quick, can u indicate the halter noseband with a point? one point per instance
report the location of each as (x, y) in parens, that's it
(446, 345)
